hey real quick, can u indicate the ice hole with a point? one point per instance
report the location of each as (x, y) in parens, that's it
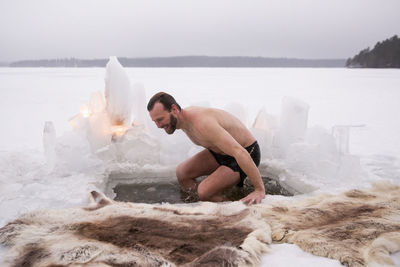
(155, 188)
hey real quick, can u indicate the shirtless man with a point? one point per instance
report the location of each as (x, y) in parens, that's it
(231, 152)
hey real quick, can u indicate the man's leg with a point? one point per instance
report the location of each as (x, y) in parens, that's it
(211, 188)
(203, 163)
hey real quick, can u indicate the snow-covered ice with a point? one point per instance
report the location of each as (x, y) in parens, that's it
(45, 163)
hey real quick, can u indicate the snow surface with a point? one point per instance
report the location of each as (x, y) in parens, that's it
(45, 164)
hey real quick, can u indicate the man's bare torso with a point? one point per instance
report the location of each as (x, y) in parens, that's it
(199, 116)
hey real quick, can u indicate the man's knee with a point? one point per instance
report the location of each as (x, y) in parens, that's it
(184, 176)
(181, 173)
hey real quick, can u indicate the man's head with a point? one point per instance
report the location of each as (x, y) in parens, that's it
(163, 110)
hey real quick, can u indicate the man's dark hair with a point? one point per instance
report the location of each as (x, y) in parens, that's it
(165, 99)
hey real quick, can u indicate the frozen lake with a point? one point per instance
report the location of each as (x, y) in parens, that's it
(369, 98)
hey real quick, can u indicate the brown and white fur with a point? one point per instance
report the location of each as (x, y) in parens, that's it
(358, 228)
(110, 233)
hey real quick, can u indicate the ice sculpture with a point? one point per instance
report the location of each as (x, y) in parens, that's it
(293, 123)
(93, 122)
(264, 128)
(118, 93)
(294, 119)
(99, 121)
(107, 124)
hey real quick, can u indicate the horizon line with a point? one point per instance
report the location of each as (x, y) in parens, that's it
(165, 57)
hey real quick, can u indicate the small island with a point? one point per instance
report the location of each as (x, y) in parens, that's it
(385, 54)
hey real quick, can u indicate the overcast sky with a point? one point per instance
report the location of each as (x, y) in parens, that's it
(34, 29)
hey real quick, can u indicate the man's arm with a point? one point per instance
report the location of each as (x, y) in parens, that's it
(220, 138)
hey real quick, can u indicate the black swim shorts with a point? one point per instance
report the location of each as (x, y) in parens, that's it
(229, 161)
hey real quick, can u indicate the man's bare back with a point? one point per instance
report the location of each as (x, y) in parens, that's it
(226, 158)
(197, 116)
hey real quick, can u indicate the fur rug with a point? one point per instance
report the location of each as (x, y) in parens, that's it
(109, 233)
(358, 228)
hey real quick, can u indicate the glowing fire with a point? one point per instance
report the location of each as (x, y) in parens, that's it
(85, 111)
(94, 117)
(119, 130)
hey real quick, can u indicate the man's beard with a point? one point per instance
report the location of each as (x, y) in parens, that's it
(172, 125)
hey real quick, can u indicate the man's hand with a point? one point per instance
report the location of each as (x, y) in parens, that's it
(253, 198)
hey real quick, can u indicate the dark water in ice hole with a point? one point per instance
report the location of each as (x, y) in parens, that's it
(170, 192)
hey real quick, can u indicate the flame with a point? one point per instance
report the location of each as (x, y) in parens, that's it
(85, 111)
(94, 112)
(119, 130)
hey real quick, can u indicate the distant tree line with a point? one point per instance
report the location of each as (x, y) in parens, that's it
(385, 54)
(186, 61)
(61, 62)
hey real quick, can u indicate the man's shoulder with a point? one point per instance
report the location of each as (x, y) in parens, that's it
(198, 108)
(201, 112)
(200, 117)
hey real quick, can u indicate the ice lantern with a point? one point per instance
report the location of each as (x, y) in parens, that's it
(99, 121)
(93, 122)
